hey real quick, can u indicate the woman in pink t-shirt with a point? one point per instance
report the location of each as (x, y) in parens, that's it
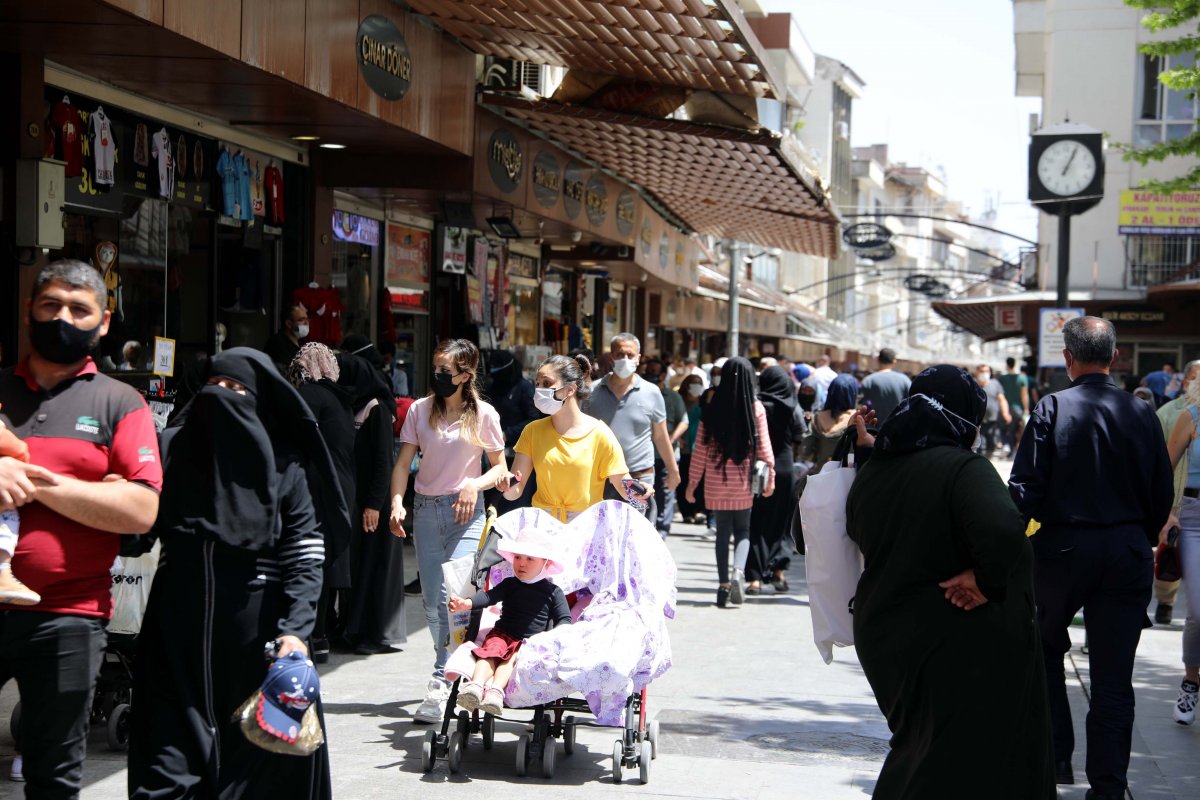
(452, 428)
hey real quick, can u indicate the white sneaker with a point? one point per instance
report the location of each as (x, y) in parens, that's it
(431, 708)
(737, 588)
(1185, 706)
(18, 769)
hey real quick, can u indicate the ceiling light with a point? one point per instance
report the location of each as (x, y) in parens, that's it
(305, 138)
(504, 227)
(332, 146)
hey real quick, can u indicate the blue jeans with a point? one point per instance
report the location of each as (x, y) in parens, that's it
(438, 539)
(1189, 553)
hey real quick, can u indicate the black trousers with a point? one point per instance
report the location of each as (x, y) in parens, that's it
(54, 659)
(1109, 573)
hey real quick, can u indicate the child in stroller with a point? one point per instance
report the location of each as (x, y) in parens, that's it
(531, 604)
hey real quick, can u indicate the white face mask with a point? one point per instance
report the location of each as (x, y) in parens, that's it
(545, 401)
(624, 367)
(716, 381)
(696, 389)
(302, 331)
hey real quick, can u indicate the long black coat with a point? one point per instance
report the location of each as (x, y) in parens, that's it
(964, 692)
(330, 404)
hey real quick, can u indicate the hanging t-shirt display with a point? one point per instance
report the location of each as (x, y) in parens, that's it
(256, 190)
(242, 165)
(325, 309)
(104, 147)
(273, 191)
(181, 157)
(227, 175)
(161, 151)
(65, 124)
(141, 145)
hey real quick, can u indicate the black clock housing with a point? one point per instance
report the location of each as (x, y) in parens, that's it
(1047, 200)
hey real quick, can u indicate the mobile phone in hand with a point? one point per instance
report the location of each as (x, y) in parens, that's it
(633, 487)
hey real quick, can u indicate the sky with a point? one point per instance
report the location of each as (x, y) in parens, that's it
(939, 91)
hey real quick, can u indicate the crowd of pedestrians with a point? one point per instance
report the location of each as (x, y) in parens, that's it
(289, 480)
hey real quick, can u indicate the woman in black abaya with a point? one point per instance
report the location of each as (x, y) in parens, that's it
(314, 372)
(771, 518)
(248, 491)
(377, 607)
(944, 614)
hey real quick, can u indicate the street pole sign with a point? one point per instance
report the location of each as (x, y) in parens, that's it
(1050, 334)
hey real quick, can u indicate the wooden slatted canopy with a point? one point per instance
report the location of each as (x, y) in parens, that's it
(725, 182)
(698, 44)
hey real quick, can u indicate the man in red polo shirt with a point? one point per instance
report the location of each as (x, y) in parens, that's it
(94, 473)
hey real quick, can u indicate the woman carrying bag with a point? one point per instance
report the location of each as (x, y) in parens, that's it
(733, 434)
(1184, 444)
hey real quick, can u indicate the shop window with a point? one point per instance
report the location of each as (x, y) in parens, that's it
(1163, 114)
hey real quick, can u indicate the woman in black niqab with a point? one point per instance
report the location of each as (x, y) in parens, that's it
(241, 565)
(729, 416)
(934, 520)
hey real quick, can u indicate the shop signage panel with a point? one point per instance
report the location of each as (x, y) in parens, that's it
(454, 250)
(547, 179)
(383, 57)
(114, 157)
(575, 179)
(505, 160)
(1148, 214)
(409, 300)
(595, 200)
(626, 212)
(407, 255)
(1050, 334)
(502, 161)
(1134, 315)
(355, 228)
(1007, 318)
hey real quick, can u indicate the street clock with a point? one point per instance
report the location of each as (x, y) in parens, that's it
(1066, 168)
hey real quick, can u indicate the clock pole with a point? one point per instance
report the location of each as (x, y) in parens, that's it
(1064, 254)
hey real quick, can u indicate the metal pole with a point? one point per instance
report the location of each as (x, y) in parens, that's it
(735, 273)
(1064, 255)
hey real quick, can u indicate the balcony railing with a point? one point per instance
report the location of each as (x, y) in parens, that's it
(1156, 260)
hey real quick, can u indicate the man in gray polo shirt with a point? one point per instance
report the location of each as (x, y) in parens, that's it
(635, 411)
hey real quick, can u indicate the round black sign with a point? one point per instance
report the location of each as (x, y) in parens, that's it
(573, 188)
(881, 253)
(595, 197)
(625, 211)
(383, 57)
(547, 179)
(504, 158)
(868, 235)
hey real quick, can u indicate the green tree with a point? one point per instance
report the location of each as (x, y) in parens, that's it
(1165, 15)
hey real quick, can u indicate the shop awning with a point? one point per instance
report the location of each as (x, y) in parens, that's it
(978, 314)
(695, 44)
(715, 180)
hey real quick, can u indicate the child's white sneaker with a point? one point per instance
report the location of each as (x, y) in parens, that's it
(470, 695)
(493, 701)
(13, 592)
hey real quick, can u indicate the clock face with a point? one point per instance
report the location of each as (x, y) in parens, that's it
(1066, 167)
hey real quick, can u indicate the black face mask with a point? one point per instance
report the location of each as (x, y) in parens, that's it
(443, 384)
(60, 342)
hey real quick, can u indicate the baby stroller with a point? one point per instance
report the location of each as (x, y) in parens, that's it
(620, 582)
(132, 576)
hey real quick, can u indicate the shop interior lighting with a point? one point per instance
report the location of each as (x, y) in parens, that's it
(332, 146)
(504, 227)
(305, 138)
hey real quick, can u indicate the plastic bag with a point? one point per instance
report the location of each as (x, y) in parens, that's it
(131, 582)
(456, 575)
(832, 562)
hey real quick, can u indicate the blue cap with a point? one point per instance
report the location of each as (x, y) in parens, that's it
(291, 687)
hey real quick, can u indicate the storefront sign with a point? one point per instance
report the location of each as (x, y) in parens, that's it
(626, 209)
(1149, 214)
(1135, 315)
(407, 256)
(354, 228)
(409, 300)
(505, 160)
(164, 357)
(1050, 334)
(454, 250)
(522, 266)
(595, 199)
(383, 57)
(574, 188)
(547, 179)
(1007, 319)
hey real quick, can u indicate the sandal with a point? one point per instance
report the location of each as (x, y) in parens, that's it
(780, 584)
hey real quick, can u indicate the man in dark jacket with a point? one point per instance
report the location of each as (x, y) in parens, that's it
(1092, 467)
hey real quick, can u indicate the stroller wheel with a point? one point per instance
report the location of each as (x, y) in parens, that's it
(644, 762)
(569, 734)
(454, 757)
(548, 756)
(652, 737)
(463, 731)
(618, 760)
(427, 751)
(118, 727)
(522, 755)
(489, 731)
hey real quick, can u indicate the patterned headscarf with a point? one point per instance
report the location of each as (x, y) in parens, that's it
(314, 362)
(943, 408)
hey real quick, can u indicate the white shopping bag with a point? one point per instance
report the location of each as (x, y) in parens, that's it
(833, 563)
(131, 582)
(456, 576)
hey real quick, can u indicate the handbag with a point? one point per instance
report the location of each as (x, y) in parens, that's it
(1168, 566)
(832, 562)
(758, 477)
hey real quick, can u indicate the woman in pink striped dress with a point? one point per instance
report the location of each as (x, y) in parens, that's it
(733, 434)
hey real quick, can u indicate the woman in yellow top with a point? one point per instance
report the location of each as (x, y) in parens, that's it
(573, 454)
